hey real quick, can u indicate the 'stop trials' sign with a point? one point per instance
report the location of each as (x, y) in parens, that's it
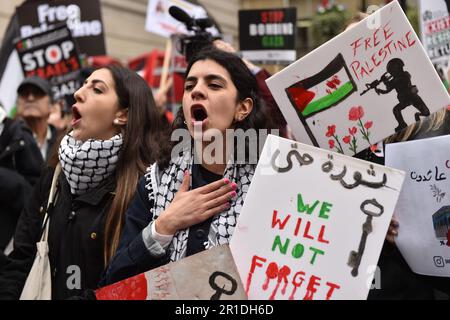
(52, 55)
(360, 87)
(83, 17)
(268, 35)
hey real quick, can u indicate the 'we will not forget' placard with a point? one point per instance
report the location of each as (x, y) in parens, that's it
(313, 223)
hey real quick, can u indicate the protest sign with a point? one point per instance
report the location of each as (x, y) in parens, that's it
(435, 29)
(52, 55)
(268, 34)
(360, 87)
(423, 209)
(435, 32)
(313, 223)
(83, 17)
(208, 275)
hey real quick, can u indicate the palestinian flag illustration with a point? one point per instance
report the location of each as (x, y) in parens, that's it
(24, 45)
(323, 90)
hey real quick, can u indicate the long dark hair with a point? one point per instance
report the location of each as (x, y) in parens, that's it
(246, 85)
(142, 137)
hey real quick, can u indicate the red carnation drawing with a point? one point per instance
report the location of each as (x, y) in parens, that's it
(331, 143)
(331, 132)
(346, 139)
(356, 113)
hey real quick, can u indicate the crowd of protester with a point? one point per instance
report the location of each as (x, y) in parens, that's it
(124, 202)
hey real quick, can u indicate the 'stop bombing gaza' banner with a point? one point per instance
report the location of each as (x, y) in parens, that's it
(362, 86)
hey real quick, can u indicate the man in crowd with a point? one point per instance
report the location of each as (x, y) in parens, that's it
(20, 167)
(34, 105)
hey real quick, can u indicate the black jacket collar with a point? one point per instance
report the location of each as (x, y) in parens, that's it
(92, 197)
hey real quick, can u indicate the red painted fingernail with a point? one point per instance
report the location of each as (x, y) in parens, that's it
(226, 181)
(233, 194)
(233, 185)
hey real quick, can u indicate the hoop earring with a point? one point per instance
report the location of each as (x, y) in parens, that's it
(185, 122)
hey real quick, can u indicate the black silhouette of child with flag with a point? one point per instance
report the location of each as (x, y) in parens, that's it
(407, 94)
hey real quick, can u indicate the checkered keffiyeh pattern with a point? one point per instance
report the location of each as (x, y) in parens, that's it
(87, 164)
(163, 186)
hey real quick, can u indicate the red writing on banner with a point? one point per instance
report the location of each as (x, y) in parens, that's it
(376, 48)
(438, 25)
(272, 16)
(58, 69)
(277, 276)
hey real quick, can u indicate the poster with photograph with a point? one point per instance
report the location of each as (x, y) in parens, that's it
(423, 209)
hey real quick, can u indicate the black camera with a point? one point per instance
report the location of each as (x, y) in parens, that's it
(188, 45)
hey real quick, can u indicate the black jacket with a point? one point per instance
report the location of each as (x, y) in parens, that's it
(51, 142)
(19, 151)
(75, 239)
(132, 256)
(21, 164)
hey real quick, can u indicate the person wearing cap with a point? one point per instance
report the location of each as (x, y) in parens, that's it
(34, 104)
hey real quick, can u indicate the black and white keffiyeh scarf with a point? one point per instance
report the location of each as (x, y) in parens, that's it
(163, 186)
(87, 164)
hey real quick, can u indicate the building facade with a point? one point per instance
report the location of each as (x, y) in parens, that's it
(124, 21)
(124, 24)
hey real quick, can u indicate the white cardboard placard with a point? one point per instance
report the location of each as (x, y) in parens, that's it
(302, 219)
(423, 209)
(329, 99)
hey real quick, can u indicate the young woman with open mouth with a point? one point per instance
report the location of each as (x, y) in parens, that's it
(116, 130)
(183, 206)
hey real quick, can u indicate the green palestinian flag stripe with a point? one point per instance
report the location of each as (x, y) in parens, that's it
(328, 100)
(12, 112)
